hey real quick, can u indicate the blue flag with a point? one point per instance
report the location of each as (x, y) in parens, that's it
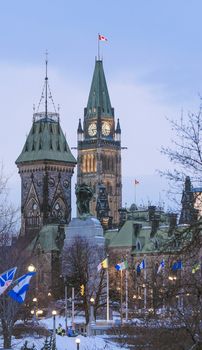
(161, 266)
(18, 293)
(121, 266)
(6, 279)
(140, 266)
(177, 265)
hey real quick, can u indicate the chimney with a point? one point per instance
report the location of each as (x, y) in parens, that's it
(151, 211)
(154, 224)
(172, 223)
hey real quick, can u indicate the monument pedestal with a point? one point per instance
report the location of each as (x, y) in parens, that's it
(87, 227)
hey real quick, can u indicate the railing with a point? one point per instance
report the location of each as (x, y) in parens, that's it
(50, 116)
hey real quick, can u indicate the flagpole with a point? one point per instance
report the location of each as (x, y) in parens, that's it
(135, 194)
(121, 297)
(107, 289)
(98, 47)
(145, 288)
(127, 289)
(163, 275)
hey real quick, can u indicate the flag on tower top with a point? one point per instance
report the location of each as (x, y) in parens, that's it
(136, 182)
(102, 37)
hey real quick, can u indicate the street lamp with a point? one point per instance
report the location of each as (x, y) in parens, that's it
(77, 343)
(35, 309)
(54, 313)
(31, 268)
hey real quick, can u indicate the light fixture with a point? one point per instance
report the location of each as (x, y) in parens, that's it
(77, 341)
(54, 312)
(31, 268)
(34, 299)
(39, 312)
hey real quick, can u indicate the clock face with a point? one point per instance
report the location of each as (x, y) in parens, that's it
(92, 129)
(106, 129)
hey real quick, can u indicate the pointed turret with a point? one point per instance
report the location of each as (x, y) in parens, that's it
(118, 131)
(46, 140)
(98, 101)
(80, 131)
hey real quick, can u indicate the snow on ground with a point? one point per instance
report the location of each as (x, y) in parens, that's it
(66, 343)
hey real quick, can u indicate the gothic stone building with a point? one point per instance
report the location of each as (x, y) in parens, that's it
(99, 146)
(46, 166)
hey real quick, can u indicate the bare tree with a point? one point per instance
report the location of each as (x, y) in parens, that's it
(186, 153)
(10, 256)
(80, 262)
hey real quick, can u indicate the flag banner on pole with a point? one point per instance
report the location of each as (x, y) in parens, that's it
(177, 265)
(136, 182)
(140, 266)
(18, 293)
(121, 266)
(196, 267)
(103, 265)
(161, 266)
(6, 279)
(102, 37)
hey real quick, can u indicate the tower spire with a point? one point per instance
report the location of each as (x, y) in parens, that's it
(46, 87)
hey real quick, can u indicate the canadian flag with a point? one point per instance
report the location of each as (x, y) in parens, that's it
(102, 37)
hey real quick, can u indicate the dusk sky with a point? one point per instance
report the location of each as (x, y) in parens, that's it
(152, 62)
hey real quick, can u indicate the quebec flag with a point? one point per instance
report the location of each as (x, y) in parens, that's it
(18, 293)
(140, 266)
(161, 266)
(6, 279)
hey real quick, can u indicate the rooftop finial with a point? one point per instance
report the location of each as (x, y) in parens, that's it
(46, 86)
(46, 96)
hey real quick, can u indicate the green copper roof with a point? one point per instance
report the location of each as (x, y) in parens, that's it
(98, 99)
(47, 239)
(46, 141)
(125, 236)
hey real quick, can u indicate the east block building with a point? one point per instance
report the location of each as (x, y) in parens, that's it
(99, 146)
(46, 166)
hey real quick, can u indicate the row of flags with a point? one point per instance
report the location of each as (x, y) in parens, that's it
(142, 265)
(21, 285)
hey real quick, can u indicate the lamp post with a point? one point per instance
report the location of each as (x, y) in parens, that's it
(77, 343)
(92, 321)
(35, 309)
(54, 313)
(65, 285)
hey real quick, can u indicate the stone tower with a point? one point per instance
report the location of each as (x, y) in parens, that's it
(99, 145)
(46, 166)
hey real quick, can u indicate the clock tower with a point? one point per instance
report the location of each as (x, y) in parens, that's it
(99, 145)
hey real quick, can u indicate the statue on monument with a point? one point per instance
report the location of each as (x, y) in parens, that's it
(84, 194)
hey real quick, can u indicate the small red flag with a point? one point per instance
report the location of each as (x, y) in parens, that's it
(102, 37)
